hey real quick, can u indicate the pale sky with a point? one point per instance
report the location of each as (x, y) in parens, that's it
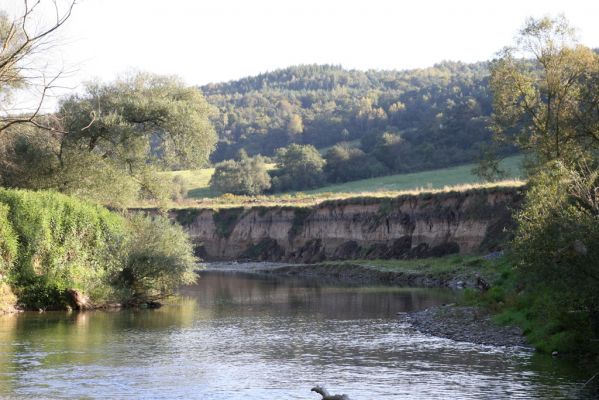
(217, 40)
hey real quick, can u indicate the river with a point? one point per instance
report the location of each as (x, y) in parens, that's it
(240, 336)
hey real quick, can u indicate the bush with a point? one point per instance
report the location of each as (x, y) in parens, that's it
(345, 163)
(52, 243)
(62, 243)
(558, 259)
(8, 242)
(298, 167)
(159, 258)
(245, 176)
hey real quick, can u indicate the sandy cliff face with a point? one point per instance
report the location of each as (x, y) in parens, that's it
(403, 227)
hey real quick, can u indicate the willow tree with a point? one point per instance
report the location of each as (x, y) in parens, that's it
(110, 141)
(545, 91)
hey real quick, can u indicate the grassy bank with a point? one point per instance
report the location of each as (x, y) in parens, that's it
(453, 265)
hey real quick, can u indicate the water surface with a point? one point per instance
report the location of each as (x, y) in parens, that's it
(236, 336)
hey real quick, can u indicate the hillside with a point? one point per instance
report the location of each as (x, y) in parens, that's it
(404, 120)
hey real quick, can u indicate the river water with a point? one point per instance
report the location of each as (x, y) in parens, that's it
(238, 336)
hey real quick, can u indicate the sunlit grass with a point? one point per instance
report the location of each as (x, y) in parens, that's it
(458, 178)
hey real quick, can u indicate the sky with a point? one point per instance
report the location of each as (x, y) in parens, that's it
(206, 41)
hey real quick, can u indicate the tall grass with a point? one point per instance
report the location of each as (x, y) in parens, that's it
(63, 243)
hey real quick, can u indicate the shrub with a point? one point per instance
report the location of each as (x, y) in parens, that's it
(558, 259)
(159, 258)
(8, 242)
(345, 163)
(62, 243)
(245, 176)
(52, 243)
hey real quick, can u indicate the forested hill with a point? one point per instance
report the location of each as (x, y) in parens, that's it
(408, 120)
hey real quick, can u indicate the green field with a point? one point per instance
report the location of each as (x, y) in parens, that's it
(435, 179)
(197, 181)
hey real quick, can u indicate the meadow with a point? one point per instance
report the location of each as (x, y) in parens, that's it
(460, 177)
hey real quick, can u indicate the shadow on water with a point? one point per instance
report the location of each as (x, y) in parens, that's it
(239, 336)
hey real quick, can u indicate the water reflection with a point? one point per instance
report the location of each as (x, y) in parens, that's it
(245, 337)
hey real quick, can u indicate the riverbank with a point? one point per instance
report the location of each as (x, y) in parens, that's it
(456, 322)
(454, 272)
(466, 324)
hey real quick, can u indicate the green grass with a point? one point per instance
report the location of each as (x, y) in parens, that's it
(459, 178)
(197, 181)
(453, 264)
(435, 179)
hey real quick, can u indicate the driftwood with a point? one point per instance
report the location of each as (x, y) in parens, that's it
(326, 396)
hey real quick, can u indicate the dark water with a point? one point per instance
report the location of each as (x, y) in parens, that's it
(243, 337)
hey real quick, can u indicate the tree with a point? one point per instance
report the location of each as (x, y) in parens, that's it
(23, 39)
(556, 256)
(345, 163)
(545, 91)
(295, 125)
(244, 176)
(547, 104)
(298, 167)
(113, 138)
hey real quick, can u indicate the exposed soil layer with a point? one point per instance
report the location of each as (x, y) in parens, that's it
(405, 227)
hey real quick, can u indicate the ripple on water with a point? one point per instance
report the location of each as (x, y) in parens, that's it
(236, 337)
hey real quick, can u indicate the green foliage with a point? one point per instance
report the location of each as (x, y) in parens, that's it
(142, 117)
(186, 216)
(552, 292)
(441, 112)
(346, 163)
(245, 176)
(159, 259)
(51, 243)
(488, 168)
(113, 140)
(62, 243)
(546, 102)
(298, 167)
(8, 242)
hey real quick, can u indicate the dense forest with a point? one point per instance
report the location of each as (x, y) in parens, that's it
(400, 120)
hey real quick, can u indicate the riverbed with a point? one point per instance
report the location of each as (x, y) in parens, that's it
(252, 336)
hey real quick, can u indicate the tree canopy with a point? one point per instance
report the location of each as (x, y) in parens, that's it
(298, 167)
(441, 113)
(546, 94)
(109, 141)
(243, 176)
